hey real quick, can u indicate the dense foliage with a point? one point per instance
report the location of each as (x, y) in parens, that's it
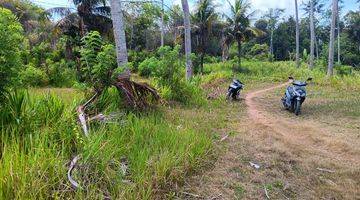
(52, 51)
(168, 72)
(160, 147)
(11, 40)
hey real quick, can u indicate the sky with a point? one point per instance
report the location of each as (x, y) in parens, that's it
(222, 6)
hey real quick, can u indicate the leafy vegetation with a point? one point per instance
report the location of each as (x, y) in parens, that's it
(48, 69)
(11, 37)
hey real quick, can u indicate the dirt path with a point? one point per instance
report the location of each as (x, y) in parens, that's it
(299, 158)
(253, 112)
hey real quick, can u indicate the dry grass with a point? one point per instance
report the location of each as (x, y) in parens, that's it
(289, 150)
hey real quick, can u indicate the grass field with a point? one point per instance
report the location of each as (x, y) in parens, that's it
(290, 150)
(169, 148)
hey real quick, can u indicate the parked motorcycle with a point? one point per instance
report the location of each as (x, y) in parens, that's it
(295, 95)
(234, 90)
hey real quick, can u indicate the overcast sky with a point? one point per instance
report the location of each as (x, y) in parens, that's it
(260, 5)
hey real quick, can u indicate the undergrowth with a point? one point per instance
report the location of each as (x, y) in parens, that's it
(270, 72)
(40, 135)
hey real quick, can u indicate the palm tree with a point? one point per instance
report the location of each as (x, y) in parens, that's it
(119, 33)
(92, 15)
(311, 8)
(204, 18)
(297, 35)
(272, 17)
(312, 35)
(189, 70)
(334, 14)
(162, 23)
(238, 23)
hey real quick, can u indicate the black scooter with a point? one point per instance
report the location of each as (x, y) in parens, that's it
(234, 90)
(295, 95)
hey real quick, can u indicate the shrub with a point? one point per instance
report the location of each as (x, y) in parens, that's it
(170, 75)
(148, 66)
(61, 74)
(137, 57)
(11, 38)
(106, 62)
(343, 70)
(99, 61)
(259, 52)
(211, 59)
(92, 44)
(33, 76)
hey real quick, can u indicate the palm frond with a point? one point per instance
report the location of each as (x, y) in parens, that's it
(62, 11)
(255, 31)
(102, 10)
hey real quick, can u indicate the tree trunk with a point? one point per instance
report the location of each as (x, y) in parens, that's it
(189, 67)
(338, 38)
(317, 48)
(239, 53)
(162, 23)
(225, 52)
(68, 51)
(82, 27)
(119, 33)
(271, 42)
(297, 35)
(312, 35)
(202, 50)
(330, 70)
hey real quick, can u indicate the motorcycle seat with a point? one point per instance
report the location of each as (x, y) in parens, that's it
(299, 83)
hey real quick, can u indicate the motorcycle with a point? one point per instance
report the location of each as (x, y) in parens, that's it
(295, 95)
(234, 90)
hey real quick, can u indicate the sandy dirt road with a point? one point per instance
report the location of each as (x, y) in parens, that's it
(299, 158)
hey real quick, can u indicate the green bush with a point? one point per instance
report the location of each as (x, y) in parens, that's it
(99, 61)
(171, 73)
(92, 44)
(343, 70)
(61, 74)
(148, 66)
(258, 52)
(211, 59)
(168, 72)
(106, 62)
(33, 76)
(11, 38)
(137, 57)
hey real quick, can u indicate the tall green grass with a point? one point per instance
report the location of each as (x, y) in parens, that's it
(256, 71)
(40, 135)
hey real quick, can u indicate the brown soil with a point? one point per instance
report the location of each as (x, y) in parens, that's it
(299, 157)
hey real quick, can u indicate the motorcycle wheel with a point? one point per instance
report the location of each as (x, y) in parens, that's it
(297, 107)
(228, 95)
(237, 96)
(284, 104)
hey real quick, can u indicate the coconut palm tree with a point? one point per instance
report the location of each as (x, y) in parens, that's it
(238, 23)
(312, 35)
(119, 32)
(272, 17)
(311, 8)
(162, 23)
(297, 35)
(203, 18)
(189, 68)
(91, 15)
(334, 14)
